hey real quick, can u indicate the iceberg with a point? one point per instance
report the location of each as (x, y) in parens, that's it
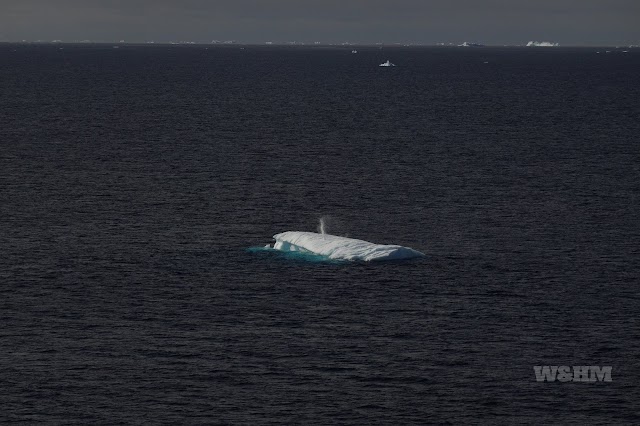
(340, 248)
(542, 44)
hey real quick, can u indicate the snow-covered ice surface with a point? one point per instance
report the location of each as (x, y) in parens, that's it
(341, 248)
(542, 44)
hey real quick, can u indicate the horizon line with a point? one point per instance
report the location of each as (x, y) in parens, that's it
(229, 43)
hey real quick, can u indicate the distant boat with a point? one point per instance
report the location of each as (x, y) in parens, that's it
(354, 51)
(387, 64)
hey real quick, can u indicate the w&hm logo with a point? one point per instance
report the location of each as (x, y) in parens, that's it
(577, 373)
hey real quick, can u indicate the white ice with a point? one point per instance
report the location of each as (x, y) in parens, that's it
(341, 248)
(541, 44)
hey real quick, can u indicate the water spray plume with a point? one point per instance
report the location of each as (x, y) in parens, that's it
(323, 226)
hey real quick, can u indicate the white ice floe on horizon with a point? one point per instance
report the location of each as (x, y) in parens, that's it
(542, 44)
(340, 248)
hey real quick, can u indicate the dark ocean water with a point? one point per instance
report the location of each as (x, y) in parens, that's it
(133, 181)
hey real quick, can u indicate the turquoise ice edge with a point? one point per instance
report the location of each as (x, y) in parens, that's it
(303, 256)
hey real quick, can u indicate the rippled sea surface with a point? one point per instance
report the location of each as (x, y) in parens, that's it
(134, 181)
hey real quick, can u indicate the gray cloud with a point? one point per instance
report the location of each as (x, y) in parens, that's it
(423, 21)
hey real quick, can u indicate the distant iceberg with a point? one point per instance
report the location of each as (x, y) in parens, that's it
(542, 44)
(340, 248)
(387, 64)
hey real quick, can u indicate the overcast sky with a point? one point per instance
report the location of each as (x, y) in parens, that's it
(568, 22)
